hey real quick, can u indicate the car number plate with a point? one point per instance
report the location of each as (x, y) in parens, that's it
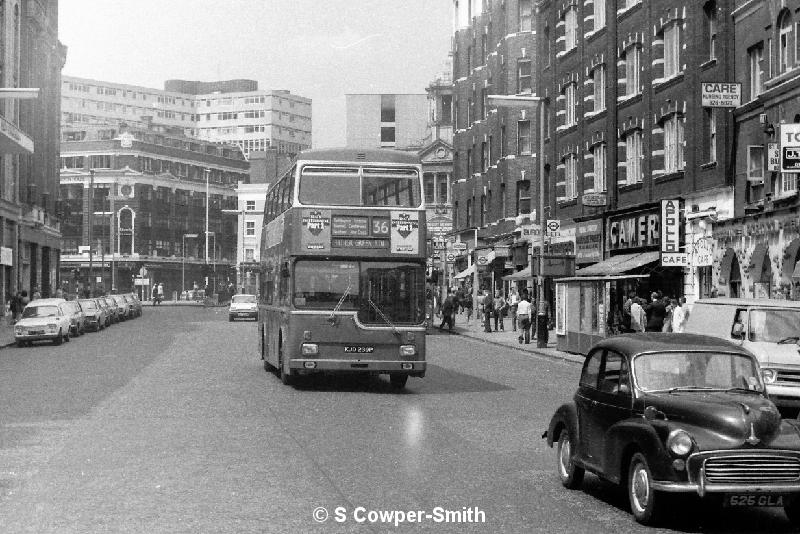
(242, 314)
(359, 349)
(750, 499)
(36, 332)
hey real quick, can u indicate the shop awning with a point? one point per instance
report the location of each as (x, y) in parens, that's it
(465, 273)
(796, 273)
(621, 264)
(524, 274)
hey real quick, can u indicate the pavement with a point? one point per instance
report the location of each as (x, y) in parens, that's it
(508, 338)
(472, 329)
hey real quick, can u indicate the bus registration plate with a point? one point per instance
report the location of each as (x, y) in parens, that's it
(360, 349)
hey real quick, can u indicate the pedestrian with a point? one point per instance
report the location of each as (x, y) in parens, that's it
(36, 293)
(513, 303)
(467, 303)
(460, 296)
(678, 316)
(668, 317)
(13, 306)
(499, 305)
(656, 312)
(543, 321)
(638, 316)
(160, 292)
(488, 310)
(626, 311)
(448, 309)
(524, 318)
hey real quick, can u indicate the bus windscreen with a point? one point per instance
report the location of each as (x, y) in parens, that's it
(369, 186)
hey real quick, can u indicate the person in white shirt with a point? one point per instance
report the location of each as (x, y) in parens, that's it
(678, 316)
(524, 318)
(638, 317)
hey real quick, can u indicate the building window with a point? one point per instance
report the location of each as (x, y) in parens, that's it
(570, 105)
(387, 135)
(441, 181)
(525, 15)
(788, 183)
(523, 197)
(711, 134)
(100, 161)
(484, 156)
(546, 43)
(710, 12)
(430, 188)
(755, 55)
(570, 28)
(755, 164)
(469, 59)
(633, 157)
(387, 108)
(484, 102)
(502, 141)
(673, 144)
(599, 87)
(599, 11)
(469, 213)
(571, 176)
(249, 254)
(632, 68)
(785, 41)
(502, 201)
(483, 210)
(524, 137)
(599, 166)
(469, 162)
(470, 111)
(523, 76)
(250, 228)
(483, 49)
(672, 48)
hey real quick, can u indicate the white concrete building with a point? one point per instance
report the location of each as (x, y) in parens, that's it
(251, 199)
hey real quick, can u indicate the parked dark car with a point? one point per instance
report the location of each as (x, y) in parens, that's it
(94, 313)
(122, 307)
(678, 413)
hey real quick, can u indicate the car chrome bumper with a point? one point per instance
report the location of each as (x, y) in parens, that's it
(702, 489)
(358, 366)
(35, 337)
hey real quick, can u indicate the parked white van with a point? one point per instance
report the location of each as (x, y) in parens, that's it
(768, 328)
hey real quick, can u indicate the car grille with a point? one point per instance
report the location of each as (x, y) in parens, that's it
(752, 469)
(788, 377)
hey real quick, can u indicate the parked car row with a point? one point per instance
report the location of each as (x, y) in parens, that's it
(57, 319)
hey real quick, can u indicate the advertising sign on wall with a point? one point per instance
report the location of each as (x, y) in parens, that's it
(671, 254)
(634, 230)
(405, 232)
(589, 241)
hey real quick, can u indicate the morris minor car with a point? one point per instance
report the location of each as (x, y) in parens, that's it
(677, 413)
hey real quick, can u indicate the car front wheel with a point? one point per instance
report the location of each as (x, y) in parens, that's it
(642, 496)
(570, 474)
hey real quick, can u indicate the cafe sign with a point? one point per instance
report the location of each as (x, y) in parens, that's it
(671, 254)
(634, 230)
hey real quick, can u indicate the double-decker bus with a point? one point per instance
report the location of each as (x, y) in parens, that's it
(342, 285)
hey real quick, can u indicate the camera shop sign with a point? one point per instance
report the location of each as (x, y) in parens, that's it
(635, 230)
(671, 255)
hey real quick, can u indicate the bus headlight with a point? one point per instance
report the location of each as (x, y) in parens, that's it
(769, 375)
(309, 349)
(679, 442)
(408, 350)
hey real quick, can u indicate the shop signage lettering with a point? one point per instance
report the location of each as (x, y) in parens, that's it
(721, 94)
(773, 157)
(633, 231)
(670, 225)
(790, 147)
(589, 242)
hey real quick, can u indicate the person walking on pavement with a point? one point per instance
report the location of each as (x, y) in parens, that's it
(543, 321)
(448, 309)
(678, 316)
(488, 310)
(638, 317)
(656, 312)
(524, 318)
(499, 305)
(513, 303)
(626, 312)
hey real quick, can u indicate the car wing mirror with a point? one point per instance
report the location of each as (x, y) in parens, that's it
(651, 413)
(738, 331)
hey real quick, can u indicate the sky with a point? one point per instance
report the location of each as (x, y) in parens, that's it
(314, 48)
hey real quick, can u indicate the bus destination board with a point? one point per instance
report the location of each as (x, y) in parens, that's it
(350, 226)
(341, 242)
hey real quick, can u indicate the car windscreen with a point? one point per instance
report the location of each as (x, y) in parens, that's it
(88, 305)
(773, 325)
(368, 186)
(696, 370)
(243, 299)
(383, 292)
(40, 311)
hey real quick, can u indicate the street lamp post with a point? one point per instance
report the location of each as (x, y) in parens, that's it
(523, 102)
(183, 260)
(90, 285)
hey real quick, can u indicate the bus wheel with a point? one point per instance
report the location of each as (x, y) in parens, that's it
(398, 380)
(286, 378)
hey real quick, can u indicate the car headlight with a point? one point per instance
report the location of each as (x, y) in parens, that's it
(680, 442)
(19, 330)
(309, 349)
(51, 327)
(408, 350)
(769, 375)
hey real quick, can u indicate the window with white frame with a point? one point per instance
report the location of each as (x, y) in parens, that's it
(633, 61)
(788, 183)
(523, 197)
(711, 134)
(633, 157)
(524, 137)
(672, 49)
(599, 12)
(755, 164)
(525, 15)
(599, 166)
(571, 28)
(250, 205)
(250, 228)
(710, 12)
(571, 176)
(785, 41)
(599, 87)
(484, 156)
(673, 144)
(754, 57)
(570, 104)
(249, 254)
(524, 76)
